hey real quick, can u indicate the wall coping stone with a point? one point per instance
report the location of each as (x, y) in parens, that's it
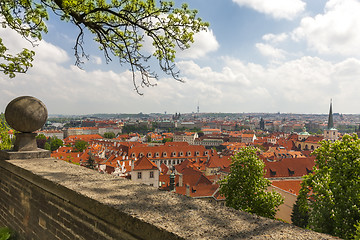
(144, 212)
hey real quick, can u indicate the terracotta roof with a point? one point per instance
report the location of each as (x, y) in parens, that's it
(217, 161)
(144, 164)
(289, 167)
(292, 186)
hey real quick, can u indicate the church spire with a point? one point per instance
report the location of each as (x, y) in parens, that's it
(330, 120)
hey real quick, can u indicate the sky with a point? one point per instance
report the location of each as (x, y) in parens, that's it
(288, 56)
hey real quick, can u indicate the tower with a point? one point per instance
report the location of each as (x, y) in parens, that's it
(330, 119)
(331, 133)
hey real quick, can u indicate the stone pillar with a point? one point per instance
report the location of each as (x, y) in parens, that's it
(25, 114)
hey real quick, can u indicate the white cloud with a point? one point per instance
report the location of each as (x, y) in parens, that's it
(275, 38)
(44, 51)
(270, 51)
(303, 85)
(278, 9)
(97, 60)
(204, 42)
(336, 31)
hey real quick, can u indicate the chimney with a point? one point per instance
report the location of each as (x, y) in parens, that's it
(187, 190)
(180, 180)
(172, 181)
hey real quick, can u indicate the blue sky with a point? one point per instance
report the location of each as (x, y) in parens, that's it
(257, 56)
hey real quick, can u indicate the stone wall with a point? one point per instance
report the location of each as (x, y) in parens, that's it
(52, 199)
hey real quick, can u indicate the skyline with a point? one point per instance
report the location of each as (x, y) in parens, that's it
(291, 56)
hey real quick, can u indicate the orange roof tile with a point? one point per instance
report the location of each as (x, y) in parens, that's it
(144, 164)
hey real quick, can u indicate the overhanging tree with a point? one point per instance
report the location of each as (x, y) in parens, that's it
(245, 188)
(120, 27)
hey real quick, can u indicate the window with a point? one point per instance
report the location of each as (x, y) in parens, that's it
(157, 154)
(151, 174)
(189, 153)
(139, 175)
(149, 154)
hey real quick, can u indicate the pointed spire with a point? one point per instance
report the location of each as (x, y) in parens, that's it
(330, 120)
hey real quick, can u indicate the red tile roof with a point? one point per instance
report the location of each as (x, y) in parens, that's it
(144, 164)
(292, 186)
(289, 167)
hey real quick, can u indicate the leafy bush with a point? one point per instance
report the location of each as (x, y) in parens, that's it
(5, 233)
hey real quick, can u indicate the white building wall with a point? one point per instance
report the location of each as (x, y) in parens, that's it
(145, 177)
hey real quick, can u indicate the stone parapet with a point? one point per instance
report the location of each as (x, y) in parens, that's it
(52, 199)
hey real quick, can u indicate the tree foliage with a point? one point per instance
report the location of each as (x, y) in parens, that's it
(109, 135)
(5, 141)
(299, 215)
(53, 143)
(245, 188)
(41, 141)
(90, 162)
(120, 27)
(81, 145)
(331, 193)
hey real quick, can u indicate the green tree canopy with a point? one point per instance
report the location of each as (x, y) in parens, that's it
(5, 141)
(120, 27)
(53, 143)
(331, 193)
(245, 188)
(109, 135)
(81, 145)
(90, 162)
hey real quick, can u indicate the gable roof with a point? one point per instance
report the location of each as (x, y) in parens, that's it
(144, 164)
(292, 186)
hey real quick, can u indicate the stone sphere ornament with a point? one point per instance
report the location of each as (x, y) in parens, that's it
(26, 114)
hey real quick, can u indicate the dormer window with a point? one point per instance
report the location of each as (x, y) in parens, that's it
(291, 172)
(157, 154)
(164, 154)
(173, 154)
(188, 153)
(181, 154)
(149, 154)
(272, 173)
(206, 153)
(197, 153)
(140, 155)
(133, 155)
